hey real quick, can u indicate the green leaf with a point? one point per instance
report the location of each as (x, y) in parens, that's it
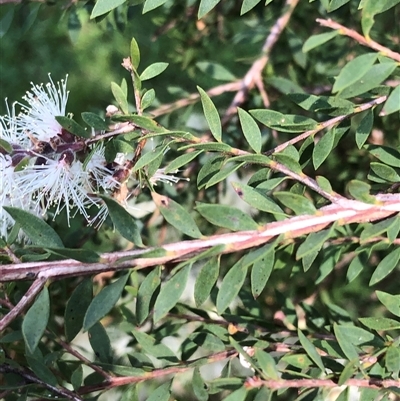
(364, 128)
(76, 308)
(317, 40)
(335, 4)
(392, 359)
(284, 122)
(231, 285)
(82, 255)
(149, 346)
(262, 269)
(153, 70)
(199, 387)
(256, 198)
(386, 266)
(226, 216)
(385, 172)
(35, 321)
(123, 221)
(210, 147)
(392, 103)
(247, 5)
(100, 343)
(39, 232)
(223, 173)
(299, 204)
(354, 70)
(77, 378)
(170, 293)
(209, 168)
(313, 243)
(152, 4)
(323, 148)
(104, 301)
(357, 265)
(176, 215)
(377, 229)
(206, 280)
(380, 323)
(120, 97)
(370, 9)
(148, 98)
(385, 154)
(147, 123)
(211, 113)
(370, 80)
(135, 54)
(347, 373)
(181, 161)
(215, 71)
(331, 105)
(146, 294)
(392, 302)
(72, 127)
(250, 130)
(5, 145)
(104, 6)
(267, 364)
(95, 121)
(311, 350)
(161, 393)
(41, 370)
(360, 190)
(206, 6)
(343, 335)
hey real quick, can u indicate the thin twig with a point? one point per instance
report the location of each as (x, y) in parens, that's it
(156, 373)
(24, 302)
(30, 377)
(254, 74)
(326, 124)
(362, 40)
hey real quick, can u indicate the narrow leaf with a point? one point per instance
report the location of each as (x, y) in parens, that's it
(76, 308)
(380, 323)
(211, 113)
(104, 6)
(206, 6)
(226, 216)
(386, 266)
(38, 231)
(135, 54)
(311, 350)
(35, 321)
(123, 221)
(231, 285)
(104, 301)
(120, 97)
(364, 128)
(392, 302)
(354, 70)
(250, 130)
(206, 280)
(152, 4)
(170, 293)
(176, 215)
(318, 40)
(146, 293)
(323, 148)
(153, 70)
(392, 103)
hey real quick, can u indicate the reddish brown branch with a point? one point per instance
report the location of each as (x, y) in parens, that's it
(24, 302)
(362, 40)
(319, 383)
(254, 74)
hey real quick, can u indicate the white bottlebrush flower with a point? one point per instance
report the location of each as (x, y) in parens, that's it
(160, 176)
(44, 103)
(9, 129)
(11, 195)
(59, 183)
